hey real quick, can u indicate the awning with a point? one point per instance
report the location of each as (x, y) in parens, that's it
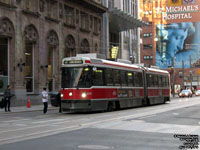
(121, 21)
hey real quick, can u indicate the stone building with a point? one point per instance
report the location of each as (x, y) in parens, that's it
(34, 37)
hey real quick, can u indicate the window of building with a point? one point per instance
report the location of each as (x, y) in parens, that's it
(30, 5)
(147, 35)
(96, 25)
(50, 68)
(84, 21)
(29, 66)
(147, 46)
(69, 15)
(149, 23)
(52, 9)
(148, 57)
(10, 2)
(3, 64)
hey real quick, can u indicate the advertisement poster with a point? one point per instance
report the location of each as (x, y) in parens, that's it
(177, 44)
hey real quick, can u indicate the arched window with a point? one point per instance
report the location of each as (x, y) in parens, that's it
(85, 47)
(52, 42)
(70, 49)
(31, 37)
(6, 39)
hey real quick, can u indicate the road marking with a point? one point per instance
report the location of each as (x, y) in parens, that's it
(21, 125)
(142, 126)
(52, 120)
(16, 120)
(147, 116)
(175, 114)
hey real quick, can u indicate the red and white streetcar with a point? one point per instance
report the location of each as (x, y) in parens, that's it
(94, 84)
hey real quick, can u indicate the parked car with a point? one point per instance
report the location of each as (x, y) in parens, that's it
(185, 93)
(197, 93)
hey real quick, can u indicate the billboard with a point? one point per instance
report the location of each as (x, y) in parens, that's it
(178, 44)
(178, 40)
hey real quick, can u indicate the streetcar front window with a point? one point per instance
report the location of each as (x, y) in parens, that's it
(85, 78)
(70, 77)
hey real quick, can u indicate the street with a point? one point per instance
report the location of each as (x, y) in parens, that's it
(157, 127)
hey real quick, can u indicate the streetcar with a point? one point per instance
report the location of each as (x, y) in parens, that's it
(95, 84)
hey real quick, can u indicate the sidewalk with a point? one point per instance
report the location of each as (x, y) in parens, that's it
(26, 109)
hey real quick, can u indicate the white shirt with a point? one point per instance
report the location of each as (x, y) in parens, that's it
(44, 96)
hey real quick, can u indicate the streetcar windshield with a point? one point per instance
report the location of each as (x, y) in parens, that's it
(70, 77)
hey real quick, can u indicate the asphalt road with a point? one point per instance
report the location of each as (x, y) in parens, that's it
(161, 127)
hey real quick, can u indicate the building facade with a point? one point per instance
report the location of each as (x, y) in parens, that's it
(34, 37)
(123, 27)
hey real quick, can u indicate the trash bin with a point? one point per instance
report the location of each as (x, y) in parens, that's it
(54, 99)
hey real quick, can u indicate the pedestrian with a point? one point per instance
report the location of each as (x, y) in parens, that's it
(59, 102)
(7, 96)
(45, 100)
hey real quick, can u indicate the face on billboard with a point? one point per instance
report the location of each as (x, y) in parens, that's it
(177, 41)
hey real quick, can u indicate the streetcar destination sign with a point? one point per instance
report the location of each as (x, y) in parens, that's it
(73, 62)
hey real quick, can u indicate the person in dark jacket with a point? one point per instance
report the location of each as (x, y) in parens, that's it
(7, 96)
(59, 102)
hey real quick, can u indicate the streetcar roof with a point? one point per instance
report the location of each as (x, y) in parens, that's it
(97, 61)
(82, 61)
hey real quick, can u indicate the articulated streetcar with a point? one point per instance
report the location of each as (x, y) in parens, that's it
(93, 84)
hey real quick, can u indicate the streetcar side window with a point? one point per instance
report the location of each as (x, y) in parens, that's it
(130, 78)
(163, 81)
(167, 81)
(109, 77)
(149, 80)
(138, 79)
(160, 81)
(116, 77)
(123, 78)
(97, 76)
(155, 80)
(85, 79)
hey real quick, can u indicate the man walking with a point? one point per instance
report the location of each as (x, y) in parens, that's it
(45, 100)
(7, 96)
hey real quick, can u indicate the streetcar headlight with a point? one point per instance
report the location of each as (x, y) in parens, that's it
(83, 95)
(70, 93)
(186, 94)
(61, 95)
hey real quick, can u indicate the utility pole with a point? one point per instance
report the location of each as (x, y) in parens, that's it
(173, 77)
(183, 72)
